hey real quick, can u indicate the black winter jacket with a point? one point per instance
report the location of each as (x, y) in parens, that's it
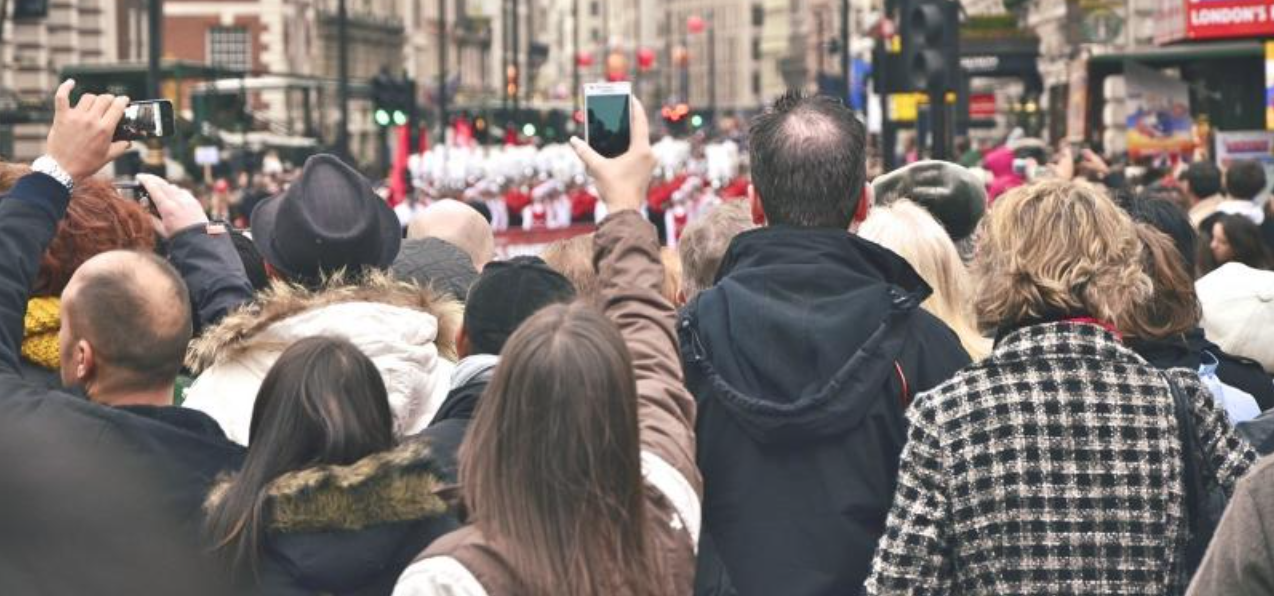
(447, 430)
(350, 530)
(802, 359)
(1187, 351)
(118, 495)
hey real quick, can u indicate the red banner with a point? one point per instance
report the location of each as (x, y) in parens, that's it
(1215, 19)
(982, 106)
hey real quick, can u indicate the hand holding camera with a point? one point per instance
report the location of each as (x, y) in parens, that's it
(81, 139)
(177, 208)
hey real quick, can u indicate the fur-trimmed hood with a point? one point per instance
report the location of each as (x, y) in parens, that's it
(343, 529)
(408, 332)
(387, 487)
(239, 331)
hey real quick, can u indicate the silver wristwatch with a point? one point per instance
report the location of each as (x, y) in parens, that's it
(46, 165)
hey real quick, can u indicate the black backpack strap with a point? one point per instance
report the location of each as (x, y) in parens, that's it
(1191, 477)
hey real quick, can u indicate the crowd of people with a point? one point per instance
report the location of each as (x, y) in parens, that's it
(922, 382)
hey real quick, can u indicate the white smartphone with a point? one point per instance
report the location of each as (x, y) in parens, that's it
(607, 108)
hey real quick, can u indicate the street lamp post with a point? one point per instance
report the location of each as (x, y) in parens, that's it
(442, 73)
(712, 68)
(575, 74)
(342, 79)
(847, 57)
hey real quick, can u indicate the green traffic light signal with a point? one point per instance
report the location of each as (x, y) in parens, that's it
(696, 121)
(400, 118)
(382, 117)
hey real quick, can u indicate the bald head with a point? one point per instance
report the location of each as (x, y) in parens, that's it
(458, 224)
(808, 157)
(132, 310)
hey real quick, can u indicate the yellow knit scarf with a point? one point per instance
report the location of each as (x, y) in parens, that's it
(40, 332)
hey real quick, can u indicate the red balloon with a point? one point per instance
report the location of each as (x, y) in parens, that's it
(645, 58)
(695, 24)
(584, 59)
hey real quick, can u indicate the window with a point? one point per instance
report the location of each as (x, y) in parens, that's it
(756, 83)
(597, 35)
(756, 48)
(758, 15)
(595, 8)
(230, 47)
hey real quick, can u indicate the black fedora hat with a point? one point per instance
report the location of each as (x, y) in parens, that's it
(327, 220)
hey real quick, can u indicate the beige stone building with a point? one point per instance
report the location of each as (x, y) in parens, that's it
(34, 52)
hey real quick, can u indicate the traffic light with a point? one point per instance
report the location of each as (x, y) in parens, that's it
(382, 98)
(393, 100)
(930, 44)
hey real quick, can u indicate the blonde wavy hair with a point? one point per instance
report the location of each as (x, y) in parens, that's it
(1057, 247)
(909, 230)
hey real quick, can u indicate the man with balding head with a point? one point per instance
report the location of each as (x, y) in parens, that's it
(802, 358)
(126, 322)
(459, 224)
(126, 319)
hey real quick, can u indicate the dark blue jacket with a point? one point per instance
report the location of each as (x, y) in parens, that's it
(802, 359)
(115, 463)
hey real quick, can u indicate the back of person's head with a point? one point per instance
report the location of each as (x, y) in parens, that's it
(551, 463)
(253, 262)
(1245, 179)
(1150, 207)
(322, 403)
(1234, 238)
(1169, 193)
(459, 224)
(506, 295)
(704, 243)
(573, 258)
(436, 263)
(1057, 248)
(126, 322)
(1202, 179)
(1173, 307)
(910, 231)
(97, 220)
(808, 159)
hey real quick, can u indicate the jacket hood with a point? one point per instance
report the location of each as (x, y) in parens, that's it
(1179, 351)
(801, 332)
(470, 379)
(408, 333)
(335, 528)
(240, 331)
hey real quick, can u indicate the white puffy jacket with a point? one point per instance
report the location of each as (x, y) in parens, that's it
(395, 324)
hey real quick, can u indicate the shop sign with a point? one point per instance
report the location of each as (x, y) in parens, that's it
(1214, 19)
(982, 106)
(1159, 120)
(1269, 85)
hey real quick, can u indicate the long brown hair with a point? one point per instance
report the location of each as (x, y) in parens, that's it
(322, 403)
(1174, 306)
(551, 465)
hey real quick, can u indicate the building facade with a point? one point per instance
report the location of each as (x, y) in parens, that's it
(33, 54)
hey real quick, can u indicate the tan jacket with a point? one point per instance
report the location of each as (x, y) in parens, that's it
(467, 563)
(1239, 559)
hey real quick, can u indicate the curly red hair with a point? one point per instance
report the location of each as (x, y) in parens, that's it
(98, 220)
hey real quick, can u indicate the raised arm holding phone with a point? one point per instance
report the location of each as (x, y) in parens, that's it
(597, 397)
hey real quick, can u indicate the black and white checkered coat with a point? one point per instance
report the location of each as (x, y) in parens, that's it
(1051, 467)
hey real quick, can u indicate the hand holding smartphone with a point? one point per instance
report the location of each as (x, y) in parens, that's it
(606, 109)
(617, 153)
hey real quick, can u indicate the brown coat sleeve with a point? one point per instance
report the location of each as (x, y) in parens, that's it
(1239, 559)
(631, 274)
